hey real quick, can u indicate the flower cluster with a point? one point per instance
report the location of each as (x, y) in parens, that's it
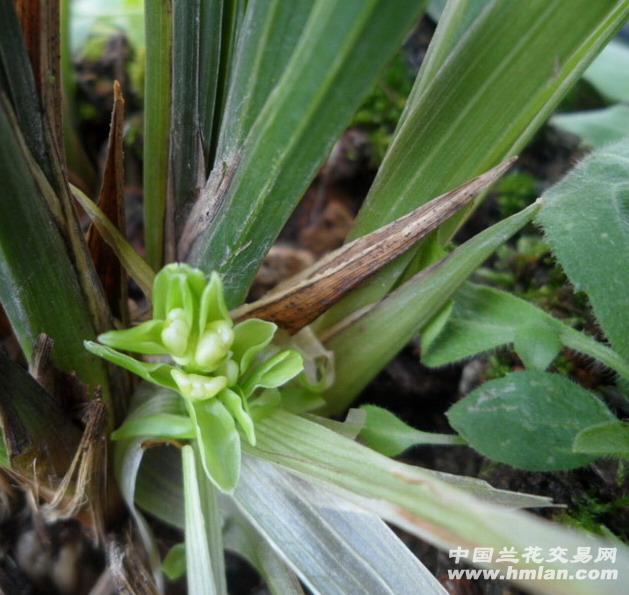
(221, 370)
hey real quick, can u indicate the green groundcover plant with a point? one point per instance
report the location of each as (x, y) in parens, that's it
(231, 432)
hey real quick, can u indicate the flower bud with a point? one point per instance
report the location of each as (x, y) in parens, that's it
(176, 332)
(213, 344)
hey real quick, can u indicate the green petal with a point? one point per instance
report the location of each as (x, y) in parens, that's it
(265, 404)
(213, 305)
(275, 372)
(144, 338)
(218, 441)
(175, 274)
(250, 338)
(234, 404)
(156, 373)
(158, 425)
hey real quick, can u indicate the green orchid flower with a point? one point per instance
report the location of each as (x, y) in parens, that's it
(227, 375)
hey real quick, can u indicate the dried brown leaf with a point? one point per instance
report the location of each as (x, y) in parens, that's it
(295, 305)
(111, 203)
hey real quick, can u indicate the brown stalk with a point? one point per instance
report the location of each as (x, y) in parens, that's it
(111, 202)
(308, 295)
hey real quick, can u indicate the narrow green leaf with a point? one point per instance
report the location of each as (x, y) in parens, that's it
(384, 329)
(591, 246)
(343, 46)
(420, 501)
(608, 72)
(211, 48)
(18, 83)
(528, 420)
(187, 171)
(242, 539)
(476, 111)
(389, 435)
(218, 442)
(157, 106)
(143, 338)
(158, 425)
(272, 30)
(133, 263)
(198, 563)
(596, 128)
(341, 549)
(607, 439)
(39, 286)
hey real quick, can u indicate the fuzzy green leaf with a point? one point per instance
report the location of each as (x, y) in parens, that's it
(608, 73)
(484, 318)
(596, 128)
(586, 220)
(528, 420)
(607, 439)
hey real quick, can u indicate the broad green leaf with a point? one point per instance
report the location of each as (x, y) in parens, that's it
(39, 286)
(133, 263)
(424, 503)
(477, 109)
(608, 73)
(341, 549)
(250, 338)
(384, 329)
(386, 433)
(157, 425)
(174, 564)
(484, 318)
(201, 580)
(252, 192)
(218, 442)
(274, 372)
(155, 373)
(586, 220)
(596, 128)
(537, 345)
(157, 114)
(528, 420)
(607, 439)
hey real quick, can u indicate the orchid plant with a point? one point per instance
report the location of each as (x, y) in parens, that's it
(227, 375)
